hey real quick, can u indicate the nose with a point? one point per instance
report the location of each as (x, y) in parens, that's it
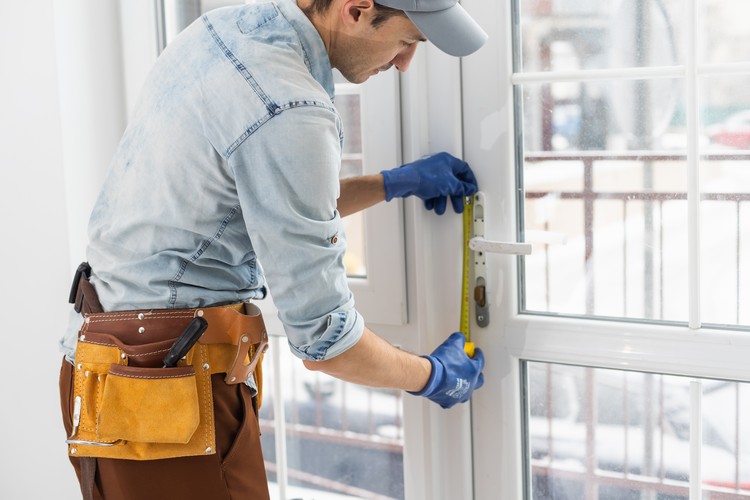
(403, 59)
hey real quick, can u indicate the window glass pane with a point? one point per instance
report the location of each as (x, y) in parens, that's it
(604, 115)
(610, 434)
(725, 113)
(565, 35)
(342, 439)
(595, 433)
(725, 277)
(348, 104)
(725, 205)
(606, 169)
(727, 468)
(726, 37)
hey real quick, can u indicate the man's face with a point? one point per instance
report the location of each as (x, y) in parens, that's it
(371, 50)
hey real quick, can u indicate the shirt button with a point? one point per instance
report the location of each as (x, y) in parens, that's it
(334, 239)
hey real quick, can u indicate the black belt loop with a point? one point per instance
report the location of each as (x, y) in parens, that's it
(82, 293)
(83, 271)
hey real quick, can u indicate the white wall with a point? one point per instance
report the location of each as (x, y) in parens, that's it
(46, 117)
(35, 257)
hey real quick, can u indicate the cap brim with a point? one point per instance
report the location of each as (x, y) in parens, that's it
(452, 30)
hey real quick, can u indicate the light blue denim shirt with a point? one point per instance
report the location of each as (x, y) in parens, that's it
(230, 162)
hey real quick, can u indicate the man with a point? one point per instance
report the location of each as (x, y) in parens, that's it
(230, 161)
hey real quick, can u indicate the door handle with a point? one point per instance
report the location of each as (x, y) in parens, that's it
(479, 244)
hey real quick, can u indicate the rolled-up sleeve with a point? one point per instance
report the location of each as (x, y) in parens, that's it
(287, 182)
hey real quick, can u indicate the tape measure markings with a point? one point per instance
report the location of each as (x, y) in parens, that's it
(468, 223)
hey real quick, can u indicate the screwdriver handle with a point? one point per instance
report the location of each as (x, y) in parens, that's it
(185, 341)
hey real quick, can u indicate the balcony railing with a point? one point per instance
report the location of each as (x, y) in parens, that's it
(653, 202)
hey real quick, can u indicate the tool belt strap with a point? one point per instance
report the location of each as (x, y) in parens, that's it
(236, 335)
(236, 332)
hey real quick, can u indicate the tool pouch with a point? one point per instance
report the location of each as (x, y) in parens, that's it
(137, 401)
(127, 406)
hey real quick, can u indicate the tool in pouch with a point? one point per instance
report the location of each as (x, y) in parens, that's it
(473, 227)
(185, 341)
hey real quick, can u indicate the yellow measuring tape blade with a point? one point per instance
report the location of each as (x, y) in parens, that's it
(468, 220)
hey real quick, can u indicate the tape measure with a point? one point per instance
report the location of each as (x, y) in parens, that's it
(468, 221)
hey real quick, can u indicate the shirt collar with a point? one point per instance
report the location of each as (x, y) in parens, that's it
(316, 57)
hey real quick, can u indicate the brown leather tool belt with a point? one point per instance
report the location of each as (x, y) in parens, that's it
(126, 404)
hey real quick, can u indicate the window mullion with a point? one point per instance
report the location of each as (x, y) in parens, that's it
(696, 439)
(279, 417)
(693, 170)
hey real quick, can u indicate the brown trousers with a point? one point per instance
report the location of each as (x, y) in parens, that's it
(235, 471)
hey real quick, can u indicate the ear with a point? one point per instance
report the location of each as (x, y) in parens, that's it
(354, 12)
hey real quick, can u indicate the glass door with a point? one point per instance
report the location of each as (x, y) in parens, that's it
(608, 135)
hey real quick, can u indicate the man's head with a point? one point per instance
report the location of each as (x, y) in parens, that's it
(318, 7)
(363, 37)
(444, 22)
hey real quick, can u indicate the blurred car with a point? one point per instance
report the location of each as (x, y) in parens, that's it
(733, 132)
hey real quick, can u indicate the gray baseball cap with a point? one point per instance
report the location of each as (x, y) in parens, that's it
(444, 22)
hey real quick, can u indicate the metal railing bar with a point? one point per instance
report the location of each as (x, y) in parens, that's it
(539, 156)
(737, 261)
(661, 258)
(329, 484)
(399, 402)
(546, 270)
(325, 434)
(550, 414)
(370, 413)
(588, 196)
(737, 436)
(626, 426)
(624, 257)
(295, 398)
(592, 487)
(636, 73)
(344, 408)
(696, 439)
(641, 73)
(662, 430)
(609, 478)
(635, 195)
(318, 402)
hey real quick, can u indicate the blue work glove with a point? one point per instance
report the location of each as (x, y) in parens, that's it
(455, 376)
(433, 179)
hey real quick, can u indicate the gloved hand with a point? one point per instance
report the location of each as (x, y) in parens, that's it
(433, 179)
(455, 376)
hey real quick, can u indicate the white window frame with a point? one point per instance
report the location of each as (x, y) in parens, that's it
(381, 295)
(691, 351)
